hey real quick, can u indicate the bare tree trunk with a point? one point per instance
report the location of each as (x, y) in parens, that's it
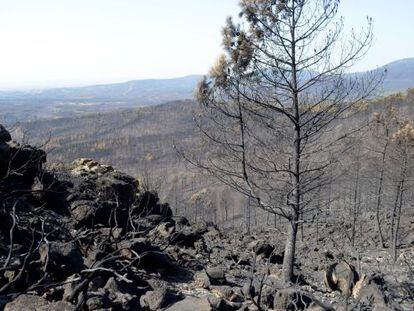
(290, 248)
(379, 197)
(356, 203)
(397, 227)
(289, 258)
(247, 216)
(396, 215)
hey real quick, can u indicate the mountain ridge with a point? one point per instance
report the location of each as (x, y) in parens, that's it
(73, 101)
(400, 75)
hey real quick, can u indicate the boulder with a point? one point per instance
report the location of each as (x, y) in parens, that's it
(36, 303)
(4, 134)
(4, 158)
(84, 213)
(123, 296)
(63, 259)
(261, 248)
(187, 237)
(151, 256)
(202, 280)
(221, 304)
(216, 274)
(191, 304)
(84, 166)
(26, 163)
(158, 298)
(147, 203)
(292, 299)
(370, 293)
(100, 195)
(98, 302)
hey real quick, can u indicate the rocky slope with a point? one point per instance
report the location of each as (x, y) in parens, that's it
(89, 238)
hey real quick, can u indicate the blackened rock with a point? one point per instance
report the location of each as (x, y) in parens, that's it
(158, 298)
(147, 203)
(4, 134)
(221, 304)
(216, 274)
(202, 280)
(369, 290)
(98, 302)
(186, 238)
(147, 223)
(26, 163)
(63, 259)
(291, 299)
(152, 258)
(261, 249)
(191, 304)
(36, 303)
(4, 158)
(85, 213)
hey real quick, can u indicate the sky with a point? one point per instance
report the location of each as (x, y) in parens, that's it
(53, 43)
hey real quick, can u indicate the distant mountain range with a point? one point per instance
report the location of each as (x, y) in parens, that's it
(399, 76)
(60, 102)
(147, 92)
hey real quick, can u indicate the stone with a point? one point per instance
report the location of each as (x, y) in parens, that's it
(191, 304)
(63, 259)
(154, 300)
(36, 303)
(4, 134)
(292, 299)
(261, 249)
(83, 212)
(202, 280)
(216, 274)
(147, 203)
(187, 238)
(248, 290)
(368, 290)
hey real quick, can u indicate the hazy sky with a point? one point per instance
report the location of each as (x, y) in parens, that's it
(76, 42)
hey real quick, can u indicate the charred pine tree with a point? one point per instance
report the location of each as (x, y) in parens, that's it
(404, 148)
(382, 129)
(271, 102)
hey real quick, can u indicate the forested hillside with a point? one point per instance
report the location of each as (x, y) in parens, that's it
(142, 143)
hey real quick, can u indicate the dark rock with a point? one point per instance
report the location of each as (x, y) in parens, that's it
(36, 303)
(4, 134)
(84, 213)
(261, 248)
(202, 280)
(63, 259)
(220, 304)
(123, 295)
(147, 223)
(4, 158)
(370, 293)
(291, 299)
(98, 302)
(191, 304)
(216, 274)
(248, 290)
(158, 298)
(152, 258)
(187, 237)
(26, 163)
(147, 203)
